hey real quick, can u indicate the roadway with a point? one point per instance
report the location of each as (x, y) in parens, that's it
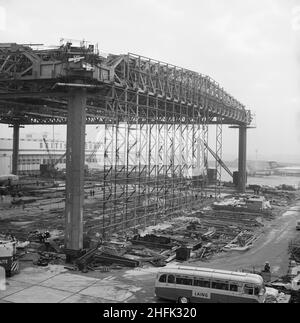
(271, 246)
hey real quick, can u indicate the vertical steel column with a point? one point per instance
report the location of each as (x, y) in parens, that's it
(177, 163)
(205, 150)
(147, 179)
(137, 156)
(194, 155)
(169, 166)
(205, 129)
(219, 146)
(126, 156)
(152, 160)
(144, 137)
(166, 160)
(242, 159)
(172, 135)
(181, 186)
(108, 167)
(160, 165)
(75, 169)
(16, 141)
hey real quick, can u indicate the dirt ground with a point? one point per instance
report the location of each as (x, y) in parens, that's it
(271, 245)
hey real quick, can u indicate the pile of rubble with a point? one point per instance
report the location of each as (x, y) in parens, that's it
(245, 203)
(186, 238)
(192, 237)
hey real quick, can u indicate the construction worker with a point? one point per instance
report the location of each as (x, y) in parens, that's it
(267, 268)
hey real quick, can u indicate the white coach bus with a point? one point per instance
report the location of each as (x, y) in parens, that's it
(203, 285)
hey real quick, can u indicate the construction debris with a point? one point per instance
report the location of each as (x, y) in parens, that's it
(194, 235)
(110, 259)
(153, 241)
(245, 203)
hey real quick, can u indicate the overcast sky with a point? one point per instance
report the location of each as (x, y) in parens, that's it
(251, 47)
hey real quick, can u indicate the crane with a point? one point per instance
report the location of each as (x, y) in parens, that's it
(60, 159)
(47, 147)
(53, 163)
(92, 155)
(52, 170)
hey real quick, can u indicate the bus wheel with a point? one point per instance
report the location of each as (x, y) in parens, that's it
(183, 300)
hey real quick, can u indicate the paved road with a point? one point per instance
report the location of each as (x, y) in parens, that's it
(272, 246)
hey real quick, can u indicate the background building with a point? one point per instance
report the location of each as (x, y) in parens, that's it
(33, 153)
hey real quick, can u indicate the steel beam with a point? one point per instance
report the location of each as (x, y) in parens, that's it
(242, 159)
(219, 152)
(16, 141)
(75, 169)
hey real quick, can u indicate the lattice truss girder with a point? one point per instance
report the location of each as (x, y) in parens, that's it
(178, 84)
(28, 73)
(53, 110)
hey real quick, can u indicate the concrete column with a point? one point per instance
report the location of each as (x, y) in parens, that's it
(75, 169)
(242, 182)
(15, 156)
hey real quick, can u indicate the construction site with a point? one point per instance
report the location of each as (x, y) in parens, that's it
(153, 200)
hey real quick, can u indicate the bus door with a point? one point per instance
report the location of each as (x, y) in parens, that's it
(168, 291)
(251, 292)
(171, 281)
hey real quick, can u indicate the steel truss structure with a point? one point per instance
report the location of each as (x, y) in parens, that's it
(154, 116)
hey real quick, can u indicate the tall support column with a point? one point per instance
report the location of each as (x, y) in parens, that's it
(15, 156)
(219, 152)
(75, 169)
(242, 159)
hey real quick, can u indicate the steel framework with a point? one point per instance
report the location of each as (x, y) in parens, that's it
(155, 117)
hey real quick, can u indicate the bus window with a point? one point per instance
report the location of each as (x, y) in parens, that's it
(233, 287)
(163, 279)
(219, 285)
(248, 289)
(184, 281)
(171, 279)
(256, 291)
(202, 283)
